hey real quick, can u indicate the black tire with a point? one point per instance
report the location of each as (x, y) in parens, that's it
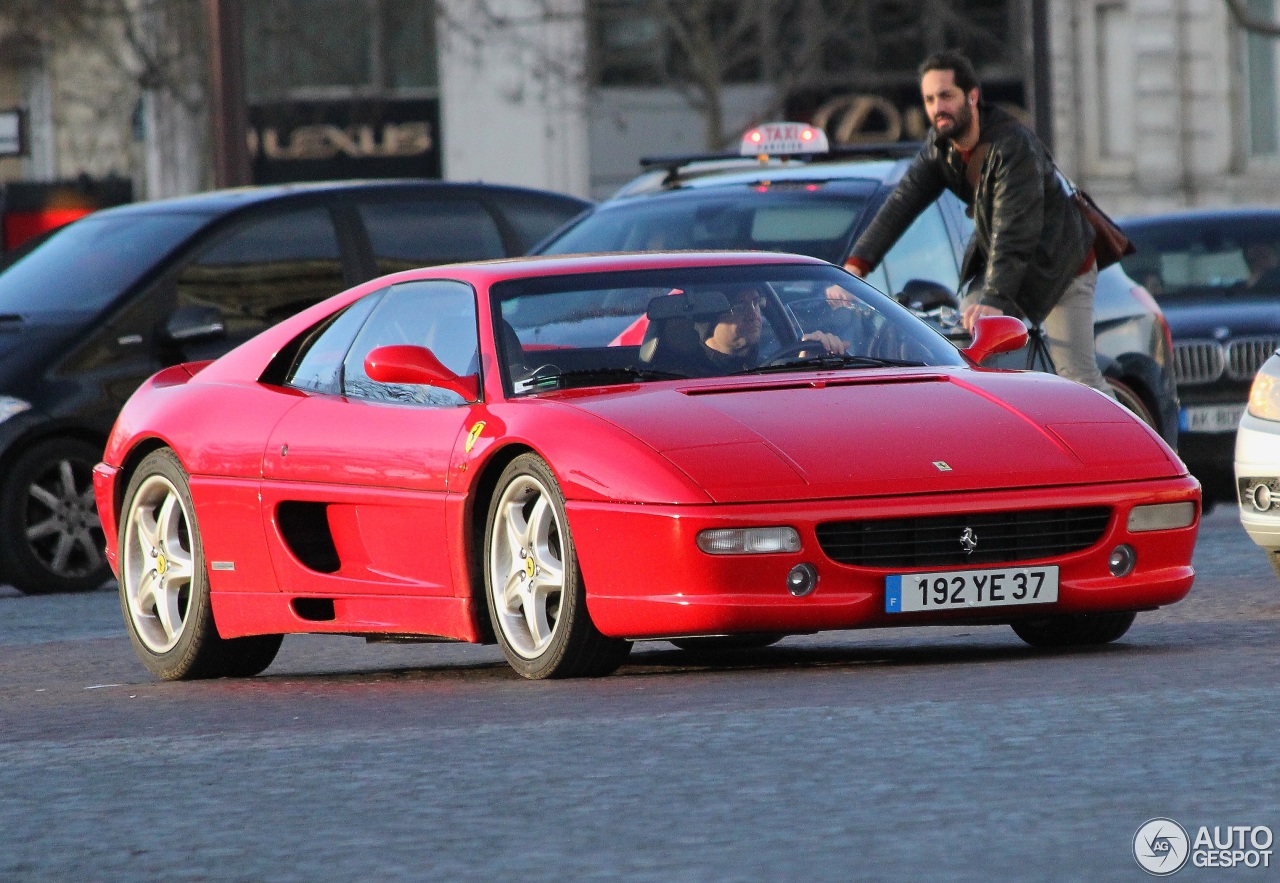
(51, 539)
(162, 565)
(531, 575)
(723, 643)
(1074, 630)
(1128, 396)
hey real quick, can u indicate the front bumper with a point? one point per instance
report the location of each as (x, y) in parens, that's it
(658, 584)
(1257, 460)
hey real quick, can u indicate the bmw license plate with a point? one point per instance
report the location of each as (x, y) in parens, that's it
(966, 589)
(1210, 418)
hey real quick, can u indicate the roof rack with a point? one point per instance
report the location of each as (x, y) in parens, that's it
(883, 150)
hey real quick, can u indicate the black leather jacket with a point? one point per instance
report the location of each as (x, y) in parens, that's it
(1029, 239)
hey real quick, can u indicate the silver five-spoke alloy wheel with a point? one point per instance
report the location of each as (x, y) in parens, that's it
(526, 560)
(158, 563)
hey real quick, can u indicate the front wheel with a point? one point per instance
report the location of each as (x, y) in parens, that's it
(164, 589)
(1074, 630)
(535, 595)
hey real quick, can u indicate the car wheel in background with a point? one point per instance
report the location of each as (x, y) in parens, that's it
(1074, 630)
(1127, 396)
(50, 537)
(164, 588)
(536, 598)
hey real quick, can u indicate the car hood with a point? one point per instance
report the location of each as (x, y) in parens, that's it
(1242, 316)
(924, 432)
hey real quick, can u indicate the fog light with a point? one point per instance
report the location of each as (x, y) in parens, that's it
(749, 540)
(802, 579)
(1122, 560)
(1261, 497)
(1161, 516)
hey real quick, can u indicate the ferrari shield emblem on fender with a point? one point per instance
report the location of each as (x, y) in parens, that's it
(476, 429)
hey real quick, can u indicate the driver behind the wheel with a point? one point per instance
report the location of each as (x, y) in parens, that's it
(732, 340)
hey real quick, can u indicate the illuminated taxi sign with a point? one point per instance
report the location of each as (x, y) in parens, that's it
(786, 139)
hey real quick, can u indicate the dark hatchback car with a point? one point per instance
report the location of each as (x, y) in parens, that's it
(818, 205)
(103, 303)
(1216, 275)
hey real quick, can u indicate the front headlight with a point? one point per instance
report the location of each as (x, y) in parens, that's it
(1264, 395)
(10, 406)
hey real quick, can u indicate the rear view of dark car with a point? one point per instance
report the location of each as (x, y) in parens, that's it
(103, 303)
(1216, 275)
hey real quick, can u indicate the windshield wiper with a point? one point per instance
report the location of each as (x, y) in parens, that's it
(833, 360)
(556, 379)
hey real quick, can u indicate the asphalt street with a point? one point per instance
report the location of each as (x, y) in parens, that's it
(941, 754)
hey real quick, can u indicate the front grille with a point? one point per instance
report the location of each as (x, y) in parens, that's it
(1197, 361)
(934, 541)
(1246, 355)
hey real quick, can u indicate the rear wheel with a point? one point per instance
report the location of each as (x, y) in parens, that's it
(164, 589)
(536, 598)
(1128, 396)
(50, 537)
(1074, 630)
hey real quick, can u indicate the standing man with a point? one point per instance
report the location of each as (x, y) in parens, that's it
(1031, 253)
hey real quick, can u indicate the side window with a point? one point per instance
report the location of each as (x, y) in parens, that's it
(532, 219)
(437, 314)
(419, 233)
(924, 252)
(265, 271)
(319, 363)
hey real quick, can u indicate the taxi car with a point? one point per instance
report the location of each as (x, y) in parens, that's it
(786, 190)
(470, 453)
(97, 306)
(1257, 461)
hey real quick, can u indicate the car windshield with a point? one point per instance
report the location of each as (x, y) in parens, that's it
(804, 218)
(601, 329)
(1239, 255)
(89, 263)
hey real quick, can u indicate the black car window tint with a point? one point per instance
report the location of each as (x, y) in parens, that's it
(924, 252)
(532, 218)
(437, 314)
(413, 233)
(318, 366)
(88, 264)
(265, 270)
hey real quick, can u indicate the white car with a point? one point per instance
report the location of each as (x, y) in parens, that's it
(1258, 461)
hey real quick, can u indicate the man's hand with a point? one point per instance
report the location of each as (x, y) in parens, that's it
(838, 298)
(974, 312)
(830, 342)
(856, 267)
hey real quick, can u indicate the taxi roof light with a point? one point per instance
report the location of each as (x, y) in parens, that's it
(784, 139)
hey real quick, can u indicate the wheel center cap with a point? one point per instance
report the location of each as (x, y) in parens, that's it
(528, 567)
(161, 565)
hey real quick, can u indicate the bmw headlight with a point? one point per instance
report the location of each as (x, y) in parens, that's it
(1264, 395)
(10, 406)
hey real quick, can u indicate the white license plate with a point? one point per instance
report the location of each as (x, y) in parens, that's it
(966, 589)
(1210, 418)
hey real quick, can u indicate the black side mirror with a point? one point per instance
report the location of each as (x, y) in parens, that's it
(194, 324)
(922, 295)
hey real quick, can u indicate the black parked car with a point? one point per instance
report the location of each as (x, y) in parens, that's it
(103, 303)
(1216, 275)
(817, 204)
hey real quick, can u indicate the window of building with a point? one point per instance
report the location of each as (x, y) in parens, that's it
(1261, 85)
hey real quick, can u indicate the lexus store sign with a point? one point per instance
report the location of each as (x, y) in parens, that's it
(359, 138)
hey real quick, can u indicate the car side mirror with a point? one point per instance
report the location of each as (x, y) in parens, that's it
(194, 324)
(418, 365)
(922, 295)
(996, 334)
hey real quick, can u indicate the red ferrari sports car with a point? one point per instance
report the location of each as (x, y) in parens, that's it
(473, 453)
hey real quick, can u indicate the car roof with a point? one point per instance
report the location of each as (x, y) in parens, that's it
(737, 171)
(1200, 216)
(215, 203)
